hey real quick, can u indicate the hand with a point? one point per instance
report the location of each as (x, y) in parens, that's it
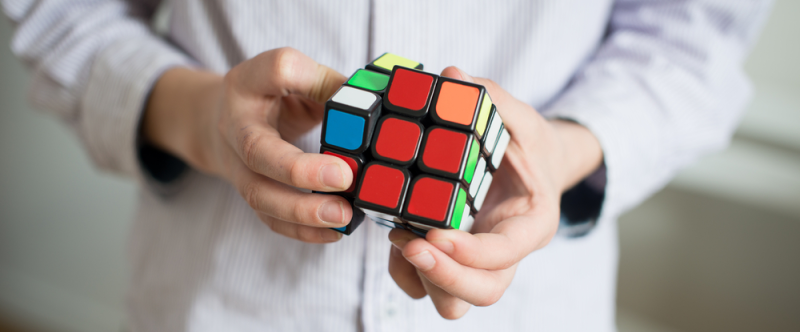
(520, 213)
(239, 127)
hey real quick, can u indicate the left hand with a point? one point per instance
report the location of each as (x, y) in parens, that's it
(520, 213)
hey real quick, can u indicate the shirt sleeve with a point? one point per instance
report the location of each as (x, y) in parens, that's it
(664, 87)
(94, 63)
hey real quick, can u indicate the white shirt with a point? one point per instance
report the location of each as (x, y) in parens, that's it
(658, 82)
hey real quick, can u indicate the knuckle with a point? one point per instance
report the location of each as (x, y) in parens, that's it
(306, 234)
(251, 193)
(249, 142)
(284, 63)
(300, 214)
(299, 175)
(447, 280)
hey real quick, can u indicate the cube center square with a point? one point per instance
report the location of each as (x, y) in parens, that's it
(382, 188)
(397, 140)
(369, 80)
(430, 198)
(409, 92)
(344, 130)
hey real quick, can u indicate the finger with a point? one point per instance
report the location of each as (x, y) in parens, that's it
(448, 306)
(283, 202)
(300, 232)
(405, 275)
(284, 71)
(476, 286)
(264, 151)
(509, 241)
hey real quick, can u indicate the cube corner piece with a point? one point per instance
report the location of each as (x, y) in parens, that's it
(457, 104)
(349, 120)
(435, 202)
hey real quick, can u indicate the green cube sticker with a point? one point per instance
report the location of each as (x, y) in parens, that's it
(461, 200)
(369, 80)
(472, 160)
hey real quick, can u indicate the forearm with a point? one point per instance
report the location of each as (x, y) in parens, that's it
(580, 152)
(179, 115)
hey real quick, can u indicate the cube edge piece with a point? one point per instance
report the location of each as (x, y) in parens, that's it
(387, 104)
(379, 208)
(371, 65)
(459, 176)
(379, 92)
(360, 161)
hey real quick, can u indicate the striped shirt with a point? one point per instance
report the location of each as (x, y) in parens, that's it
(659, 83)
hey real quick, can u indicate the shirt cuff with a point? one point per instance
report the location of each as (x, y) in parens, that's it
(120, 81)
(591, 200)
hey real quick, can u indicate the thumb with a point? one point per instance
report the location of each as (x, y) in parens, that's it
(456, 73)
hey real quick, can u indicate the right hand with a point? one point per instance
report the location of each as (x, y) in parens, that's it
(239, 127)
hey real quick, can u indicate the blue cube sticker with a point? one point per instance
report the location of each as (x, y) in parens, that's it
(344, 130)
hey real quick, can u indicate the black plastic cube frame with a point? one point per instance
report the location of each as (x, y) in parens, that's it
(373, 145)
(405, 111)
(371, 66)
(452, 202)
(439, 121)
(459, 176)
(371, 117)
(379, 208)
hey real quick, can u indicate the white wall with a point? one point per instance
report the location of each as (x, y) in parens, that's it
(62, 223)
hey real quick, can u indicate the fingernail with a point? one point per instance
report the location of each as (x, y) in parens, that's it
(423, 261)
(332, 176)
(332, 212)
(331, 236)
(445, 246)
(400, 243)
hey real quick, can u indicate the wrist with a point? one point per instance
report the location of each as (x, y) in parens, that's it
(179, 117)
(580, 152)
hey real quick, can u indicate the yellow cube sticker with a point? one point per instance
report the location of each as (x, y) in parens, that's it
(389, 60)
(483, 116)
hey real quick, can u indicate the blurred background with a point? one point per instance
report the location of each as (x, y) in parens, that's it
(716, 250)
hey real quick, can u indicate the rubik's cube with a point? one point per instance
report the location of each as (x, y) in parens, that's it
(422, 147)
